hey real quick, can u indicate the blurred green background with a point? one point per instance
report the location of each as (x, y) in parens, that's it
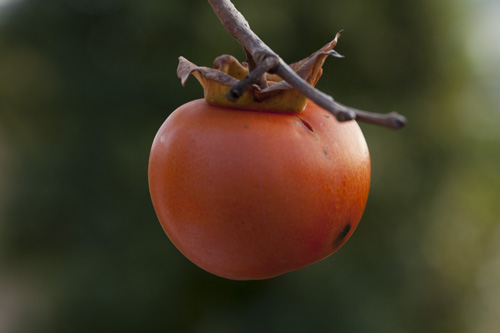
(84, 86)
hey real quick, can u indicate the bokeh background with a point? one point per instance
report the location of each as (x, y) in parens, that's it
(84, 86)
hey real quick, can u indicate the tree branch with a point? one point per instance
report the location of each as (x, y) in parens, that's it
(263, 60)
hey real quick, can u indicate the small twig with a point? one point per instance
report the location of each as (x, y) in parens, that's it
(262, 81)
(391, 120)
(325, 101)
(236, 24)
(253, 77)
(263, 59)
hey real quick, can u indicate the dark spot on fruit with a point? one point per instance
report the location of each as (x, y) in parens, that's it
(307, 125)
(343, 234)
(327, 116)
(246, 126)
(325, 151)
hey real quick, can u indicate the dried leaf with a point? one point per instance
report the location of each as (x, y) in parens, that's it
(278, 96)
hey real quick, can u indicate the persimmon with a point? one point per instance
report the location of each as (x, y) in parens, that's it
(266, 174)
(251, 195)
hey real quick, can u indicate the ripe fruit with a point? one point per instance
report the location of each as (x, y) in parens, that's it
(252, 195)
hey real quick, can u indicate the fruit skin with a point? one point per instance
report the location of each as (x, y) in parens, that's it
(250, 195)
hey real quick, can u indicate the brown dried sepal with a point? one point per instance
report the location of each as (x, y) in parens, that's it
(278, 96)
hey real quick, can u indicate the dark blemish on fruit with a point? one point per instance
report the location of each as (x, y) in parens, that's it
(327, 116)
(343, 234)
(246, 126)
(325, 151)
(307, 125)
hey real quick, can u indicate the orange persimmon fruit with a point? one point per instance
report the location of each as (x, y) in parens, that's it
(251, 195)
(261, 185)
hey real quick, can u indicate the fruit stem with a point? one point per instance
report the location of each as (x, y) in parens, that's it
(262, 59)
(255, 76)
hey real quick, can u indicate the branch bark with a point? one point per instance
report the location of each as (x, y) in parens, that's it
(264, 59)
